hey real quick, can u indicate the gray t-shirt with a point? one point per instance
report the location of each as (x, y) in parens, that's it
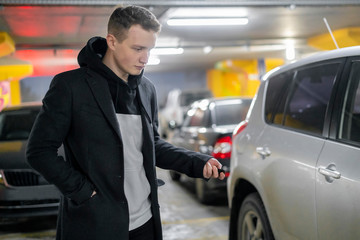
(136, 185)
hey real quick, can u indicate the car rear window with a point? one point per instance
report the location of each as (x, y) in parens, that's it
(16, 125)
(188, 98)
(231, 112)
(299, 100)
(277, 91)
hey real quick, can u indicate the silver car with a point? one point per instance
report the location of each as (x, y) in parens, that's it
(295, 163)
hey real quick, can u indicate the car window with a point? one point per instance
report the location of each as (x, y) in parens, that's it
(277, 90)
(350, 116)
(16, 125)
(197, 117)
(309, 98)
(232, 112)
(187, 98)
(299, 99)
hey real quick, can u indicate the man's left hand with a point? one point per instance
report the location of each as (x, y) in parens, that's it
(211, 169)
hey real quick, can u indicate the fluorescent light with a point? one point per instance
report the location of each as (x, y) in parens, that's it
(207, 21)
(197, 12)
(290, 50)
(207, 49)
(167, 51)
(153, 60)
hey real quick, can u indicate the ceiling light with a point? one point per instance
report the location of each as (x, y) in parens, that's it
(290, 50)
(207, 21)
(197, 12)
(207, 49)
(153, 60)
(167, 51)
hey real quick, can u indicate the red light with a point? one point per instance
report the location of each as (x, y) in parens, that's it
(239, 128)
(222, 148)
(25, 7)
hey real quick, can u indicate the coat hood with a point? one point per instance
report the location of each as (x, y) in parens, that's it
(91, 56)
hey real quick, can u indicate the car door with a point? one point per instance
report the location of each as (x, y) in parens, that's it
(338, 168)
(290, 146)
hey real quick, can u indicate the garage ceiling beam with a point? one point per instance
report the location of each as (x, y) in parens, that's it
(185, 2)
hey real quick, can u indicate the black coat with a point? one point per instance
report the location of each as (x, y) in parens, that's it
(78, 112)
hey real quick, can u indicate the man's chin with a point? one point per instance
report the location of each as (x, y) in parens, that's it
(137, 71)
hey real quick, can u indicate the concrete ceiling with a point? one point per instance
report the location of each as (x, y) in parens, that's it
(49, 33)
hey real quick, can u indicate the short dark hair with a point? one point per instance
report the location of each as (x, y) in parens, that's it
(124, 17)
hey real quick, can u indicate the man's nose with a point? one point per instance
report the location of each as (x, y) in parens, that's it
(144, 57)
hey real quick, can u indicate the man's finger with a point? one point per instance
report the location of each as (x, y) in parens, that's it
(222, 176)
(215, 172)
(209, 170)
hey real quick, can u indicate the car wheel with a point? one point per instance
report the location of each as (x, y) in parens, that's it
(253, 223)
(175, 176)
(202, 191)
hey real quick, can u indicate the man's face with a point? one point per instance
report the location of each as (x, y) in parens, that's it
(131, 55)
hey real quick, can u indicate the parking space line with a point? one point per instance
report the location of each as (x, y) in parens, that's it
(225, 237)
(197, 220)
(33, 235)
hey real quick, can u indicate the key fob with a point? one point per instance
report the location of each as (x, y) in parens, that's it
(221, 171)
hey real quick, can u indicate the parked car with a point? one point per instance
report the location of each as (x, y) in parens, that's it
(207, 129)
(295, 163)
(23, 192)
(177, 103)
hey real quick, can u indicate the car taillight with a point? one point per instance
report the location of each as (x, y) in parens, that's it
(239, 128)
(222, 148)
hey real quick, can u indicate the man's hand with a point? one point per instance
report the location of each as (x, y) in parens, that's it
(211, 169)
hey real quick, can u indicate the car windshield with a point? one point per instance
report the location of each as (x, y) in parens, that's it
(233, 112)
(16, 125)
(188, 98)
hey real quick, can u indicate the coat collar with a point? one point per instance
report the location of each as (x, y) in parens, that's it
(101, 92)
(100, 89)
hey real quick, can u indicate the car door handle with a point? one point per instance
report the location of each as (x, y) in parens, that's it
(330, 172)
(263, 151)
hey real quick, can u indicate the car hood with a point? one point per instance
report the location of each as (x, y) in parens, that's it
(12, 155)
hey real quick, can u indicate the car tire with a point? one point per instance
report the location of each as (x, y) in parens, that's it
(252, 221)
(175, 176)
(202, 192)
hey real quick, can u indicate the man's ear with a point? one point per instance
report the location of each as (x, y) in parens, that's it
(111, 41)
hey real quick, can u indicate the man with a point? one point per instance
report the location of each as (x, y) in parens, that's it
(105, 115)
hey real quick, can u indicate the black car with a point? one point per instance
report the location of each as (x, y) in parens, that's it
(207, 128)
(23, 192)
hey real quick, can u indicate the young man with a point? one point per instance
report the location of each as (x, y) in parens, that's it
(105, 115)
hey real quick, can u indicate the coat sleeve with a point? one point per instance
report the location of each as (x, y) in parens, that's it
(48, 134)
(171, 157)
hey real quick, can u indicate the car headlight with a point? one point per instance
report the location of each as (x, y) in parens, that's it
(2, 178)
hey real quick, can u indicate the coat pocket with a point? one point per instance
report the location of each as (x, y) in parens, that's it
(96, 218)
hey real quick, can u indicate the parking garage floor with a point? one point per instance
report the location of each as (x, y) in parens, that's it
(183, 217)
